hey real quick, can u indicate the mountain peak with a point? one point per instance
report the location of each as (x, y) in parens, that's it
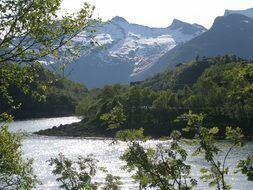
(247, 12)
(176, 24)
(185, 27)
(119, 19)
(235, 20)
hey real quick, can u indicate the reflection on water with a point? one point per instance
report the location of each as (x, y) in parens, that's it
(43, 148)
(34, 125)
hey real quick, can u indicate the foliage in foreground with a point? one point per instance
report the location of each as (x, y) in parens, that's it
(210, 149)
(32, 29)
(164, 167)
(74, 175)
(15, 171)
(79, 175)
(30, 32)
(246, 167)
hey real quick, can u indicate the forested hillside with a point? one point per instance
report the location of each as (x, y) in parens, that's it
(186, 74)
(219, 87)
(42, 94)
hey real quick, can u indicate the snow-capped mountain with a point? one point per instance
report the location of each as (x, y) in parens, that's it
(125, 50)
(247, 12)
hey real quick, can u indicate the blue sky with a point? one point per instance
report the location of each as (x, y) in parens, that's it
(160, 13)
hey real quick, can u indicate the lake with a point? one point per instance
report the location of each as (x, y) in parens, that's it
(42, 148)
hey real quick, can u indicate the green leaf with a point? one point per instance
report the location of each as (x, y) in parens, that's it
(203, 170)
(214, 130)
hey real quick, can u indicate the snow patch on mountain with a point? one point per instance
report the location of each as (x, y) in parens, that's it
(137, 45)
(103, 39)
(124, 45)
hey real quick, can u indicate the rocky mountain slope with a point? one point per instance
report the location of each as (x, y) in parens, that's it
(124, 50)
(247, 12)
(231, 34)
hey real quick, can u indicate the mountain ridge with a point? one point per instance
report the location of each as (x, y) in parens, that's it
(231, 34)
(247, 12)
(128, 49)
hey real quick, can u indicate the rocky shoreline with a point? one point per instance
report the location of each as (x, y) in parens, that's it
(79, 129)
(86, 129)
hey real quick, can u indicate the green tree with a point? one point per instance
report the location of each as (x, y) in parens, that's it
(15, 171)
(74, 175)
(112, 183)
(162, 167)
(32, 29)
(210, 148)
(30, 32)
(115, 118)
(137, 104)
(246, 167)
(166, 107)
(79, 174)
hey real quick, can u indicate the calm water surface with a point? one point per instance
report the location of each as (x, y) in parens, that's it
(42, 148)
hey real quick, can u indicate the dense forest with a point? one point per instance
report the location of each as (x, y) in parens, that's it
(219, 87)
